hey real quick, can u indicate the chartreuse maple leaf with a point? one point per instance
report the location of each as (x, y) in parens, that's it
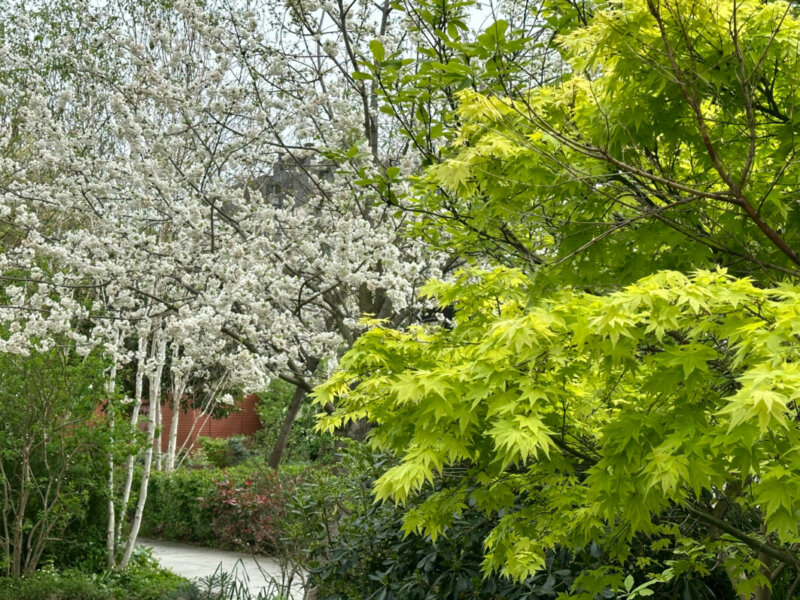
(608, 375)
(565, 173)
(562, 401)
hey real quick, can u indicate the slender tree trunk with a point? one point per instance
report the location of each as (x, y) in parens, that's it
(157, 443)
(286, 427)
(175, 404)
(141, 359)
(155, 397)
(19, 520)
(7, 511)
(111, 529)
(111, 541)
(172, 443)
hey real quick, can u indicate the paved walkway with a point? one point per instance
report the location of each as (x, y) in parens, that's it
(195, 562)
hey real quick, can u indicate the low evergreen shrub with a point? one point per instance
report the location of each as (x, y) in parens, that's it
(176, 508)
(142, 581)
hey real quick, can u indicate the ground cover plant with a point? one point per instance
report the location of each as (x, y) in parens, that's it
(143, 580)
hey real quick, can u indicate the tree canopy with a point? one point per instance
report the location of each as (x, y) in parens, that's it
(621, 365)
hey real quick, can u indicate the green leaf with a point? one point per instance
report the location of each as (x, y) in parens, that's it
(377, 51)
(629, 583)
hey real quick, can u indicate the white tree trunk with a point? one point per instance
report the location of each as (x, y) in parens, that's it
(175, 404)
(172, 448)
(157, 443)
(172, 444)
(141, 360)
(111, 528)
(154, 379)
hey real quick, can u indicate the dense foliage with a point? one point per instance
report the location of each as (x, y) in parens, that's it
(666, 142)
(602, 380)
(357, 548)
(240, 508)
(51, 451)
(143, 580)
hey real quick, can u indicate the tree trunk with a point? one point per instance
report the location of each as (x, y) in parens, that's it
(764, 592)
(286, 427)
(175, 405)
(19, 520)
(172, 448)
(111, 541)
(111, 528)
(137, 405)
(7, 508)
(157, 442)
(155, 397)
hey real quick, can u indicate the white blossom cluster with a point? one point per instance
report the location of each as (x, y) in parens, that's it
(133, 143)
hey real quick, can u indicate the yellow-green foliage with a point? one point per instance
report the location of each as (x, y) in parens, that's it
(601, 412)
(609, 383)
(675, 119)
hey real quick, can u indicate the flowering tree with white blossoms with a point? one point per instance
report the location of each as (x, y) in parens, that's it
(134, 139)
(142, 147)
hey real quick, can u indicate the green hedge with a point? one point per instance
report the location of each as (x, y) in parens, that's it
(176, 505)
(240, 508)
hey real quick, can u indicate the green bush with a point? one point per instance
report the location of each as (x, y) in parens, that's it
(83, 544)
(142, 581)
(241, 508)
(175, 505)
(50, 440)
(146, 582)
(50, 585)
(225, 452)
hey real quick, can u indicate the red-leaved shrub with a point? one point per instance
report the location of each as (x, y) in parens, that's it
(248, 514)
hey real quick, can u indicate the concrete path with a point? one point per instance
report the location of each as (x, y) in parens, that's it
(195, 562)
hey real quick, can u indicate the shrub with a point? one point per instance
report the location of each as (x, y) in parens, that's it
(248, 513)
(144, 580)
(50, 585)
(355, 548)
(82, 545)
(241, 508)
(175, 506)
(52, 454)
(225, 452)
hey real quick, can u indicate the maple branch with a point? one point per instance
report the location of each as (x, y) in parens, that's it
(762, 547)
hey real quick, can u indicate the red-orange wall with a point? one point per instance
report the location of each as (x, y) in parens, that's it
(243, 422)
